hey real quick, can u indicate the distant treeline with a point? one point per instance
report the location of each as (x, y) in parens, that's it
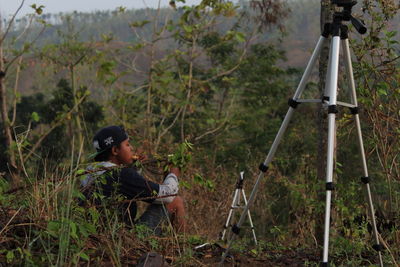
(302, 23)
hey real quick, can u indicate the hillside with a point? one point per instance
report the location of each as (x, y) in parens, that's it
(197, 96)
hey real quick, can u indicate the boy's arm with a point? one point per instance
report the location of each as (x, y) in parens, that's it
(170, 186)
(133, 185)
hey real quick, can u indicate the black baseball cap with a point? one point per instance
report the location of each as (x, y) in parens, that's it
(106, 138)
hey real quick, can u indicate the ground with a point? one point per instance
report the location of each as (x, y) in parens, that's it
(211, 255)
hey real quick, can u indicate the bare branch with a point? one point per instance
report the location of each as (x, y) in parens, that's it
(15, 92)
(23, 51)
(26, 28)
(11, 22)
(167, 129)
(58, 123)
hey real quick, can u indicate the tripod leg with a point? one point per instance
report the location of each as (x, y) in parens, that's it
(233, 206)
(332, 89)
(271, 153)
(250, 220)
(365, 178)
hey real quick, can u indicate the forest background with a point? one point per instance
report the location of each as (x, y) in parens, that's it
(207, 84)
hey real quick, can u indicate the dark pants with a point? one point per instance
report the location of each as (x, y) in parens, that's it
(154, 217)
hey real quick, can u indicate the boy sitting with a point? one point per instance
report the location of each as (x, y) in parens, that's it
(113, 156)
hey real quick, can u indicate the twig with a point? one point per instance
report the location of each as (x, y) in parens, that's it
(388, 249)
(59, 122)
(11, 22)
(12, 218)
(13, 190)
(15, 91)
(24, 224)
(167, 128)
(23, 50)
(136, 199)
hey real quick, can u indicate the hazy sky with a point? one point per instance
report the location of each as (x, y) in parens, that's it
(8, 7)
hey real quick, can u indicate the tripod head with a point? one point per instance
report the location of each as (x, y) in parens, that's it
(345, 15)
(239, 183)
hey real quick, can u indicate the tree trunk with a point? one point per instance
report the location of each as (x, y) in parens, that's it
(7, 127)
(77, 119)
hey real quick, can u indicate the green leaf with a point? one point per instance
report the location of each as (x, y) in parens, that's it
(53, 228)
(139, 23)
(382, 92)
(84, 256)
(121, 9)
(391, 34)
(198, 178)
(94, 214)
(185, 184)
(170, 27)
(73, 230)
(80, 171)
(188, 28)
(107, 37)
(35, 116)
(78, 194)
(10, 256)
(38, 9)
(240, 37)
(90, 228)
(26, 46)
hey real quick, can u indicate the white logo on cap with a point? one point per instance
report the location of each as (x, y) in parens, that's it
(96, 145)
(108, 141)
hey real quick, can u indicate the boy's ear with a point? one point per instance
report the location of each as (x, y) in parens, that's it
(114, 150)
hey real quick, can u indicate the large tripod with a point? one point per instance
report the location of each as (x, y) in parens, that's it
(339, 33)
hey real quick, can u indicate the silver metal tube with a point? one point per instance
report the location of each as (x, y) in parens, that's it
(309, 68)
(326, 229)
(250, 220)
(344, 104)
(349, 69)
(270, 155)
(334, 70)
(278, 137)
(361, 145)
(230, 213)
(331, 89)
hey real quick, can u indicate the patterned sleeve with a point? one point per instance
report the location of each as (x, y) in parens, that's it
(169, 187)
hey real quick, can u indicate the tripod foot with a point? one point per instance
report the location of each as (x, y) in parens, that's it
(378, 247)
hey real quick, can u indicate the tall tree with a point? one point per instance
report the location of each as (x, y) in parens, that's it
(9, 56)
(69, 56)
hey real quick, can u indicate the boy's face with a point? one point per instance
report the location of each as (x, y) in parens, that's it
(124, 153)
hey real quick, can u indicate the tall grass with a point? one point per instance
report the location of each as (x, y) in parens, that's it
(44, 225)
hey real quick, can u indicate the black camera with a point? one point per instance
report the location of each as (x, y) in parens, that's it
(344, 3)
(345, 14)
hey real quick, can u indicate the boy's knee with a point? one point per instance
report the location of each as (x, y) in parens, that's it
(179, 200)
(176, 204)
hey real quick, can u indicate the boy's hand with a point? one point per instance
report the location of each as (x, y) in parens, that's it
(139, 155)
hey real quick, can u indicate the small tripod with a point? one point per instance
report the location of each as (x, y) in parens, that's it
(236, 204)
(339, 33)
